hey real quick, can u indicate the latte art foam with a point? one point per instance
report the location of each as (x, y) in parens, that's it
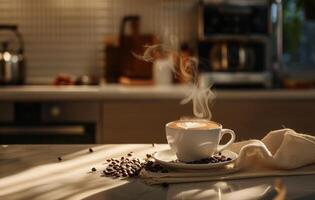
(197, 125)
(189, 125)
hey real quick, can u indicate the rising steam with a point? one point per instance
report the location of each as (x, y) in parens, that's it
(187, 70)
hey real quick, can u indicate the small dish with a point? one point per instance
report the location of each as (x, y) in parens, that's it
(167, 157)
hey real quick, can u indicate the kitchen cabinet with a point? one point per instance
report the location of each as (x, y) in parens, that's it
(140, 121)
(143, 121)
(252, 119)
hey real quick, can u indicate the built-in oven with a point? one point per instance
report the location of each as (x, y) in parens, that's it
(48, 122)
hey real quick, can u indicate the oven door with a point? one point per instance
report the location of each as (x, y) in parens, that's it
(47, 133)
(48, 122)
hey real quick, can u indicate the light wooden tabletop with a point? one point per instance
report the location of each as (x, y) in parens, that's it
(34, 172)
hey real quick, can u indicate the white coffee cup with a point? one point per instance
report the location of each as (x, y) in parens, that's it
(193, 140)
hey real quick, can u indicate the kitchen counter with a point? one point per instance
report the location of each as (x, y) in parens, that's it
(138, 92)
(34, 172)
(107, 106)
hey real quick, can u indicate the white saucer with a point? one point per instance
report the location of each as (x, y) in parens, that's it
(165, 158)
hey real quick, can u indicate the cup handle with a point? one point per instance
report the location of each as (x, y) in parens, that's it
(223, 132)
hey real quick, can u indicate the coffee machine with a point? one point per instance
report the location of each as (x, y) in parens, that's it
(235, 39)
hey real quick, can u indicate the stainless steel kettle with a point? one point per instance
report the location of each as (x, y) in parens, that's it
(12, 62)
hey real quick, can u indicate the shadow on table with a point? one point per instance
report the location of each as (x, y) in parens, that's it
(134, 189)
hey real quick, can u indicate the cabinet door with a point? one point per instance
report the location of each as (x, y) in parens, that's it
(140, 121)
(252, 119)
(143, 121)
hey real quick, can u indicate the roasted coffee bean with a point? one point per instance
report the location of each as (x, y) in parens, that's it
(90, 150)
(228, 159)
(149, 163)
(216, 157)
(129, 154)
(107, 173)
(59, 158)
(108, 160)
(134, 167)
(149, 155)
(93, 169)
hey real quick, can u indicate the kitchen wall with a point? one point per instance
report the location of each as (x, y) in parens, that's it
(68, 35)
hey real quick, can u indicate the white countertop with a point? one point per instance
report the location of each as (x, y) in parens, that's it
(138, 92)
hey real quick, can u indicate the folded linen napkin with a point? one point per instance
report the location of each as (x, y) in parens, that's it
(280, 153)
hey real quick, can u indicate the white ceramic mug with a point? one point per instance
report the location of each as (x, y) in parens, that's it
(195, 144)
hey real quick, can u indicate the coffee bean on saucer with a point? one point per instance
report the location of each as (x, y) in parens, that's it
(90, 150)
(93, 169)
(149, 155)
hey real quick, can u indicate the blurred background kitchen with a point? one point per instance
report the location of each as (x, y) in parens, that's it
(68, 73)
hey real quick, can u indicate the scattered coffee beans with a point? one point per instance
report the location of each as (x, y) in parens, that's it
(129, 166)
(213, 159)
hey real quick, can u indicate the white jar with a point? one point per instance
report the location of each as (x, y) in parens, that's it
(162, 71)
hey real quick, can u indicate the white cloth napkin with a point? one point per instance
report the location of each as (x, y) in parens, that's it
(280, 153)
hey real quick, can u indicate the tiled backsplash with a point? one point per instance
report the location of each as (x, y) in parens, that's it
(68, 35)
